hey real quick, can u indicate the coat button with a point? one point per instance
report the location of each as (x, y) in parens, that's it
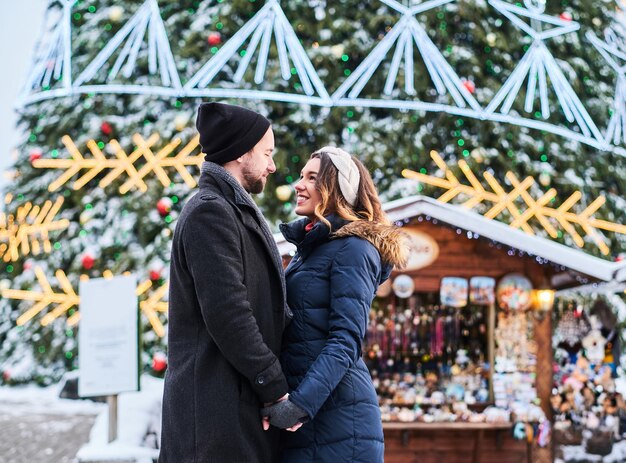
(260, 379)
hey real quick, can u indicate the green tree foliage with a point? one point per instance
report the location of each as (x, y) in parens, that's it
(124, 232)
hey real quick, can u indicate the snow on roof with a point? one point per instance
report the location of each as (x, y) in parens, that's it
(574, 259)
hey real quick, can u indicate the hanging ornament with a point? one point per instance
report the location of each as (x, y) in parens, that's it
(214, 39)
(477, 154)
(159, 362)
(565, 16)
(180, 122)
(491, 39)
(403, 286)
(5, 283)
(155, 274)
(283, 192)
(164, 206)
(35, 154)
(337, 50)
(544, 178)
(115, 13)
(470, 86)
(28, 264)
(106, 128)
(6, 376)
(87, 261)
(620, 257)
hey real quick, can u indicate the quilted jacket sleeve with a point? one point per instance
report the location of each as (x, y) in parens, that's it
(353, 277)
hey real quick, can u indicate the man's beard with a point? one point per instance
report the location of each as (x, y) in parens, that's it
(252, 183)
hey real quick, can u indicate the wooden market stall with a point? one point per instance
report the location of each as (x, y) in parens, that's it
(437, 405)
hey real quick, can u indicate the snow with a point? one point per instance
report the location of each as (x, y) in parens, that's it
(35, 399)
(139, 418)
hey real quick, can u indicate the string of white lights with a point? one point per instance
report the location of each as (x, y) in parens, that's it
(537, 65)
(611, 51)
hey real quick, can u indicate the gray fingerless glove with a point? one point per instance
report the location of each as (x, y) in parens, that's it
(284, 414)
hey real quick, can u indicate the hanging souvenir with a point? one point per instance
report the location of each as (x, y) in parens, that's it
(482, 290)
(453, 292)
(403, 286)
(514, 292)
(594, 343)
(570, 329)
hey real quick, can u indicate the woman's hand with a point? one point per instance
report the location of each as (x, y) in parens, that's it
(265, 420)
(284, 414)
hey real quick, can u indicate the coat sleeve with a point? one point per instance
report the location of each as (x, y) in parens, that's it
(214, 258)
(353, 277)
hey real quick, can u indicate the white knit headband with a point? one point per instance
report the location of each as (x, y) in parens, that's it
(348, 172)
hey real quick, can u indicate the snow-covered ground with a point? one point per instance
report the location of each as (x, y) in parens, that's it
(139, 419)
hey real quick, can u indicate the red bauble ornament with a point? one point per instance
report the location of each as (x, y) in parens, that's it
(106, 128)
(470, 86)
(87, 261)
(159, 362)
(6, 376)
(155, 275)
(565, 16)
(214, 38)
(28, 265)
(164, 206)
(34, 155)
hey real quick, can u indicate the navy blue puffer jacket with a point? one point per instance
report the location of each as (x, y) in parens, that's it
(331, 282)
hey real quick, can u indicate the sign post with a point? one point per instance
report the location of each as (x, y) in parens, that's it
(108, 343)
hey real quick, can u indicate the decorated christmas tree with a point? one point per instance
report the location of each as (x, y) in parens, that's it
(109, 151)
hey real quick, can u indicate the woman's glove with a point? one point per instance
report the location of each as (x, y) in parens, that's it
(284, 414)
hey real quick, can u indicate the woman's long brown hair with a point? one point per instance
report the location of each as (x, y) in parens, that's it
(367, 206)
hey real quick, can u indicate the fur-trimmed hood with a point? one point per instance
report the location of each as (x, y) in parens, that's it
(390, 241)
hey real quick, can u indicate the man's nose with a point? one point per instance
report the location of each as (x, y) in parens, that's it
(271, 166)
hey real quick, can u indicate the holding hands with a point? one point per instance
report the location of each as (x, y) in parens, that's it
(283, 414)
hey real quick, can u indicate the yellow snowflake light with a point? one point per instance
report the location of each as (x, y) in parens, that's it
(136, 166)
(63, 301)
(28, 229)
(520, 203)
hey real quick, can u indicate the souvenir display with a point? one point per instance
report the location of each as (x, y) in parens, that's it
(482, 290)
(588, 412)
(514, 292)
(515, 348)
(428, 357)
(453, 292)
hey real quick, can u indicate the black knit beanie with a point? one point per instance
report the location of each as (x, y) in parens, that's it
(228, 132)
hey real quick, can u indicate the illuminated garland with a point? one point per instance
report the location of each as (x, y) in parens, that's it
(27, 230)
(520, 204)
(67, 299)
(125, 164)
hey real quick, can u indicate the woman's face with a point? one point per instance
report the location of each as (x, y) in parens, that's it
(307, 196)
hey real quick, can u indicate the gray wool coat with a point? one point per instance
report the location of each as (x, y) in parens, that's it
(226, 319)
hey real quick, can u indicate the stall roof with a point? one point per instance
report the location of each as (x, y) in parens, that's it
(457, 216)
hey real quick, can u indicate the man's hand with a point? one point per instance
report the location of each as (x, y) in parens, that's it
(265, 421)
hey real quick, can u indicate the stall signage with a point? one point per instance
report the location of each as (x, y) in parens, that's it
(424, 250)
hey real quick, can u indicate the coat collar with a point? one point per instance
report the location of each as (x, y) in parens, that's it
(295, 233)
(209, 179)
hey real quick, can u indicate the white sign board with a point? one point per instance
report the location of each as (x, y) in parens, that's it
(108, 344)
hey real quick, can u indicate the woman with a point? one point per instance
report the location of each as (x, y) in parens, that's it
(345, 249)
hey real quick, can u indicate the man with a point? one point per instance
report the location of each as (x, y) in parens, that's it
(227, 306)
